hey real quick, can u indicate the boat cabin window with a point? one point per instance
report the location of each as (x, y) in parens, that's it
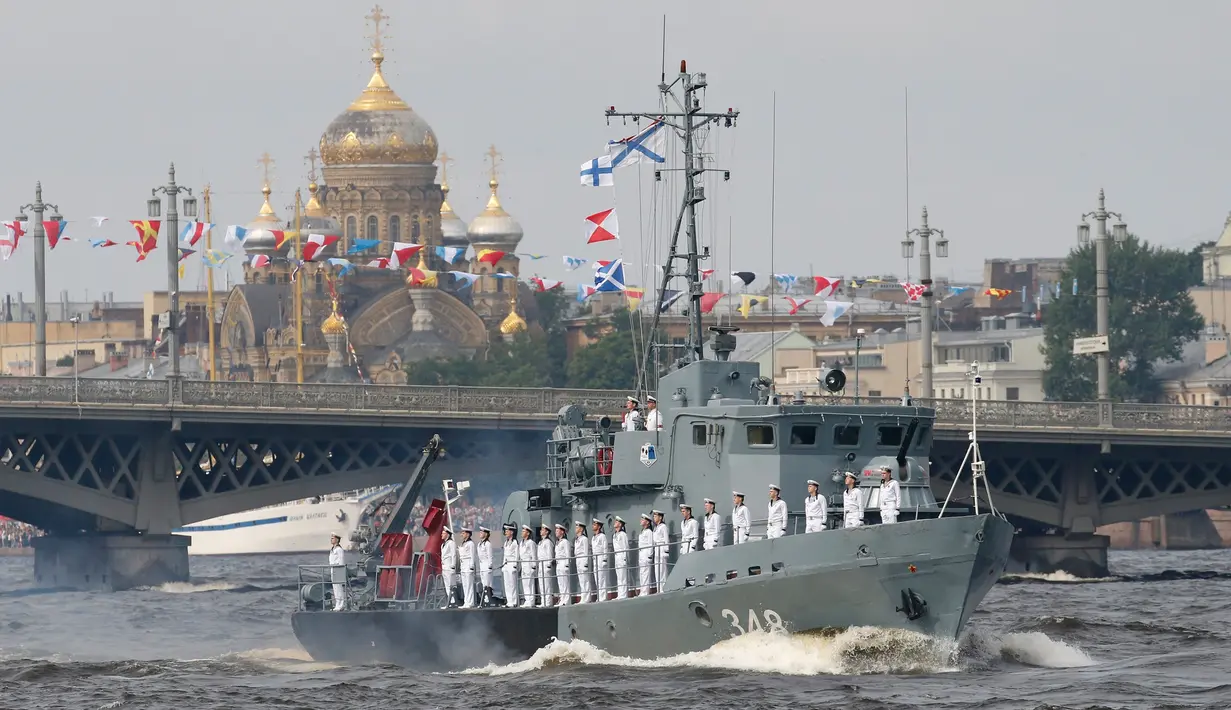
(698, 435)
(803, 435)
(846, 435)
(889, 436)
(760, 434)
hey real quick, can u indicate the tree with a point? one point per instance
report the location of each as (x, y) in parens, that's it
(610, 362)
(1150, 317)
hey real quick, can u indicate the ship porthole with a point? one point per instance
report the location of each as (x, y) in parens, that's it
(572, 631)
(702, 614)
(611, 628)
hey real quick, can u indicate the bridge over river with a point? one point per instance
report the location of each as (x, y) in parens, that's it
(128, 461)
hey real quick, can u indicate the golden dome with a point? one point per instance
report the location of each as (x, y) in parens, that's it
(513, 323)
(260, 235)
(378, 128)
(335, 324)
(313, 208)
(452, 228)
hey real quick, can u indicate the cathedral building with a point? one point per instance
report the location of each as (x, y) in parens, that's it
(379, 187)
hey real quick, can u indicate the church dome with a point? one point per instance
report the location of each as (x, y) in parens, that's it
(334, 324)
(379, 128)
(260, 238)
(494, 227)
(512, 323)
(452, 228)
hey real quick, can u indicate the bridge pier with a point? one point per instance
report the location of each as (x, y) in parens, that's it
(110, 562)
(1078, 554)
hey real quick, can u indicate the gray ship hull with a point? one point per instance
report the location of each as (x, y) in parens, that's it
(829, 580)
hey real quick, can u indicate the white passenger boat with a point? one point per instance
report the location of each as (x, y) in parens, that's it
(297, 526)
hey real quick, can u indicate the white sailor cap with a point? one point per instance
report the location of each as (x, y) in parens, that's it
(657, 512)
(560, 526)
(618, 519)
(580, 524)
(737, 493)
(774, 487)
(685, 506)
(710, 501)
(645, 516)
(446, 529)
(652, 398)
(467, 530)
(813, 483)
(483, 529)
(597, 522)
(527, 528)
(851, 474)
(544, 526)
(886, 468)
(633, 399)
(508, 526)
(333, 535)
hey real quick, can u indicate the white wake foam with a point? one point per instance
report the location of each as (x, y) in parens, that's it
(192, 587)
(855, 651)
(283, 660)
(1058, 577)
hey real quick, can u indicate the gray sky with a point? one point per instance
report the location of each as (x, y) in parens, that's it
(1019, 112)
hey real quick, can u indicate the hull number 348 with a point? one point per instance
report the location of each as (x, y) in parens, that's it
(772, 624)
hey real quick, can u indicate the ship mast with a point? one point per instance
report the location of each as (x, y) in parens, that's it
(298, 291)
(687, 120)
(209, 291)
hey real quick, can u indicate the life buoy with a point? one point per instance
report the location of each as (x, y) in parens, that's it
(602, 460)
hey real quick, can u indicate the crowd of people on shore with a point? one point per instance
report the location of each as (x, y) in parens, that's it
(464, 514)
(14, 533)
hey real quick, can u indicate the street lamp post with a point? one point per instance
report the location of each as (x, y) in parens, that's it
(858, 344)
(926, 318)
(76, 321)
(172, 191)
(39, 235)
(1101, 296)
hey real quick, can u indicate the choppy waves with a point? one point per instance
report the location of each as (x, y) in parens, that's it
(855, 651)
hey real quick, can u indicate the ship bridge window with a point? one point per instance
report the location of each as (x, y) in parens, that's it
(846, 435)
(760, 435)
(889, 436)
(698, 435)
(921, 439)
(803, 435)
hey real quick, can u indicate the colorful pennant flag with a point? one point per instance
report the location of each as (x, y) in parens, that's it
(147, 229)
(96, 243)
(466, 278)
(359, 246)
(709, 300)
(647, 144)
(572, 262)
(186, 252)
(280, 237)
(825, 287)
(796, 304)
(584, 291)
(489, 256)
(215, 258)
(999, 293)
(746, 276)
(602, 227)
(450, 255)
(12, 235)
(317, 243)
(746, 302)
(634, 296)
(403, 252)
(423, 277)
(181, 269)
(235, 236)
(670, 296)
(193, 231)
(258, 261)
(531, 257)
(541, 284)
(706, 273)
(383, 262)
(98, 221)
(346, 265)
(597, 172)
(913, 291)
(834, 311)
(609, 277)
(786, 281)
(55, 231)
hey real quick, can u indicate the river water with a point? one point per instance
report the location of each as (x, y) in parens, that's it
(1158, 635)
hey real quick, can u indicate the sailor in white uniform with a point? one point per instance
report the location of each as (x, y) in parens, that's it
(547, 559)
(337, 571)
(688, 530)
(741, 522)
(775, 522)
(852, 503)
(484, 553)
(891, 496)
(508, 565)
(653, 417)
(632, 417)
(448, 565)
(712, 526)
(645, 557)
(527, 554)
(564, 565)
(814, 508)
(619, 545)
(581, 558)
(602, 561)
(662, 548)
(465, 556)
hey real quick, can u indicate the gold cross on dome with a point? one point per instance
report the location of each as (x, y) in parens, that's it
(494, 156)
(311, 158)
(445, 162)
(377, 17)
(265, 162)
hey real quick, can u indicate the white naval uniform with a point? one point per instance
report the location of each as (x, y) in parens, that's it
(547, 556)
(632, 420)
(465, 555)
(508, 569)
(662, 549)
(713, 531)
(891, 497)
(688, 536)
(852, 507)
(653, 420)
(337, 573)
(619, 545)
(740, 524)
(602, 563)
(484, 553)
(645, 560)
(527, 554)
(564, 567)
(581, 558)
(775, 522)
(814, 513)
(448, 567)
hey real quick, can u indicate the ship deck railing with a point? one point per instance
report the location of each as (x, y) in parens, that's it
(316, 582)
(557, 468)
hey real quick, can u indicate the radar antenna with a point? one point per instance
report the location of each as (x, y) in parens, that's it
(978, 467)
(687, 120)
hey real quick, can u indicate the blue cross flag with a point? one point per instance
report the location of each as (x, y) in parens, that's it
(609, 277)
(648, 144)
(597, 172)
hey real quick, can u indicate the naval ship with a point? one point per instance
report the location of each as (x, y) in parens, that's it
(724, 430)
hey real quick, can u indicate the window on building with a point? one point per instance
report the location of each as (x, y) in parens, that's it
(1011, 394)
(803, 435)
(352, 232)
(760, 435)
(415, 229)
(1000, 353)
(373, 231)
(698, 435)
(870, 360)
(844, 435)
(499, 282)
(395, 228)
(874, 393)
(889, 436)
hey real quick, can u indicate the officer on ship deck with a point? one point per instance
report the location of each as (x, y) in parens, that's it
(632, 417)
(337, 571)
